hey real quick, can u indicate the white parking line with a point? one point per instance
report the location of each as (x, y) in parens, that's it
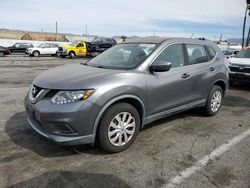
(204, 161)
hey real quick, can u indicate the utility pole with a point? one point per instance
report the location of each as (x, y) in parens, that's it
(244, 24)
(86, 29)
(248, 37)
(221, 37)
(56, 29)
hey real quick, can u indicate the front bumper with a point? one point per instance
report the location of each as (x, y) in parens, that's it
(240, 77)
(75, 119)
(62, 53)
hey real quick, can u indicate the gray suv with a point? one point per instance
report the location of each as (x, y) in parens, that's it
(111, 97)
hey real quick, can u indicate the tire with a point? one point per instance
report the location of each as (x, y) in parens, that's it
(71, 54)
(36, 53)
(1, 54)
(109, 123)
(214, 101)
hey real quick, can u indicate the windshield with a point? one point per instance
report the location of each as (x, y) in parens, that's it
(123, 56)
(244, 53)
(74, 43)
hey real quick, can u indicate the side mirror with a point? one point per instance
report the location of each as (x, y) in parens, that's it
(160, 66)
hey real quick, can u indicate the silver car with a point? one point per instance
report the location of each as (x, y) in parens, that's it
(110, 98)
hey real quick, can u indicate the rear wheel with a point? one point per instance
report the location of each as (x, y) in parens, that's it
(118, 128)
(214, 101)
(35, 53)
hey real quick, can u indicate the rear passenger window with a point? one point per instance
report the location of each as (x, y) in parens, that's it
(196, 54)
(211, 52)
(173, 54)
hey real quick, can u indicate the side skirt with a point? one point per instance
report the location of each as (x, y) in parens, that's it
(172, 111)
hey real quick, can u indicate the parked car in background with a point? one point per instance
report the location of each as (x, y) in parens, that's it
(114, 95)
(77, 48)
(102, 44)
(230, 53)
(239, 67)
(4, 51)
(43, 49)
(20, 47)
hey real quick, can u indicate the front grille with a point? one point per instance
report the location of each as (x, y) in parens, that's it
(242, 69)
(60, 49)
(35, 91)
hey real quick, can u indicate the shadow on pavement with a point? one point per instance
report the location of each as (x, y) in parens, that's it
(240, 86)
(21, 134)
(235, 101)
(73, 179)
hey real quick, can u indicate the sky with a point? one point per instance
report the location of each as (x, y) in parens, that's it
(181, 18)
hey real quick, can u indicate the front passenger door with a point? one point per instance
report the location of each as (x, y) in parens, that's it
(171, 89)
(81, 49)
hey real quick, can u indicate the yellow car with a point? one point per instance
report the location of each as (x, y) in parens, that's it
(77, 48)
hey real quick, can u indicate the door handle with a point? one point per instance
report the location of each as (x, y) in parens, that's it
(212, 69)
(185, 75)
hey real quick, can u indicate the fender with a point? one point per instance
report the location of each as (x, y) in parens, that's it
(226, 84)
(109, 103)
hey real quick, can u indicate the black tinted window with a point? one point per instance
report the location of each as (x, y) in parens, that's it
(173, 54)
(196, 54)
(211, 52)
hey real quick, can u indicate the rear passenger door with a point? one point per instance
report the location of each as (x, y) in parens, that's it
(200, 70)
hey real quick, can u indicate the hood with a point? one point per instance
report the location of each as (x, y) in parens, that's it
(240, 61)
(76, 76)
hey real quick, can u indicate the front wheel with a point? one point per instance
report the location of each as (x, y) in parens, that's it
(118, 128)
(71, 55)
(36, 53)
(1, 54)
(214, 101)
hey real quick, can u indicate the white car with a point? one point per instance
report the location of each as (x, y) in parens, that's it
(239, 67)
(43, 49)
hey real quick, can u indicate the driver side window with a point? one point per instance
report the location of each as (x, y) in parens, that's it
(80, 45)
(173, 54)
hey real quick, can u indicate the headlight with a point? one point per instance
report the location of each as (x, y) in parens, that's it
(63, 97)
